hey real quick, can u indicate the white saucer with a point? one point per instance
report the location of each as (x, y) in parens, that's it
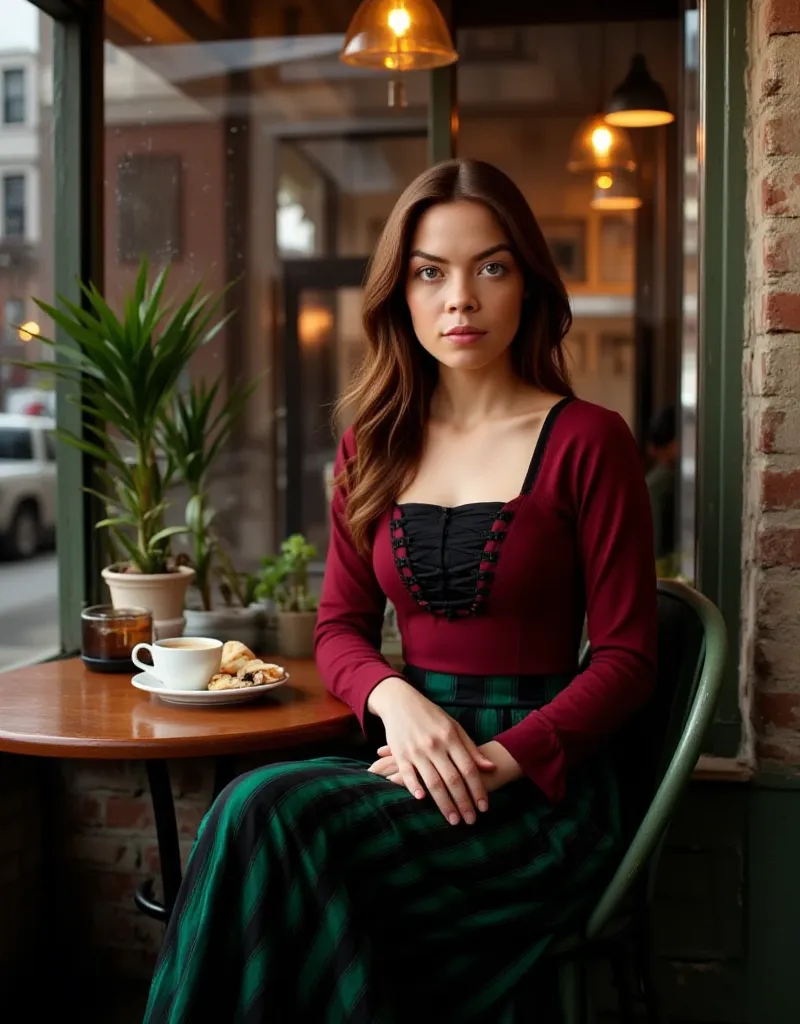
(144, 681)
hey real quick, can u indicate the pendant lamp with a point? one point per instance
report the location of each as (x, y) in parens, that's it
(598, 146)
(639, 101)
(615, 190)
(398, 35)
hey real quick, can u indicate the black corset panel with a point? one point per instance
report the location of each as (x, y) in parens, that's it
(446, 556)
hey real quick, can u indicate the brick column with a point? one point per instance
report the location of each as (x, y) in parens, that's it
(771, 540)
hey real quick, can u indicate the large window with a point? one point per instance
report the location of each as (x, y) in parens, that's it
(14, 205)
(254, 158)
(14, 96)
(29, 591)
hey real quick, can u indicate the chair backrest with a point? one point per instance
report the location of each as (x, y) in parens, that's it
(658, 750)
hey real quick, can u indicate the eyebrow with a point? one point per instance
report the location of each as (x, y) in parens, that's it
(502, 247)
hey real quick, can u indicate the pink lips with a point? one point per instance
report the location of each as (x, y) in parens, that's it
(464, 334)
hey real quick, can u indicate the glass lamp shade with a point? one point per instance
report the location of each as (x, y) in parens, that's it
(598, 146)
(638, 101)
(615, 190)
(398, 35)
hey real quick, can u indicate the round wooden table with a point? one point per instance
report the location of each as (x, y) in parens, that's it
(61, 709)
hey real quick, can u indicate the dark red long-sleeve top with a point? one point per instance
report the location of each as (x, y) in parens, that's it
(578, 542)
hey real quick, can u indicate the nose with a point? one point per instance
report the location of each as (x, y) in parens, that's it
(461, 298)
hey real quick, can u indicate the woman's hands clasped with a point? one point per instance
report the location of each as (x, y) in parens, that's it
(430, 751)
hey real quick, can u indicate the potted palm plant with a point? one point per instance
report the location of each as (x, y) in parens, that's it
(194, 433)
(126, 369)
(284, 580)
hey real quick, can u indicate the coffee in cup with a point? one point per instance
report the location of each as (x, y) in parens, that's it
(183, 662)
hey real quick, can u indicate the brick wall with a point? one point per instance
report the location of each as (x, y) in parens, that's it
(111, 847)
(771, 545)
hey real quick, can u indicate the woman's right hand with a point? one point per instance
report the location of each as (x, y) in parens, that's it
(427, 744)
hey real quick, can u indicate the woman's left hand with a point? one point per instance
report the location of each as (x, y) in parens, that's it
(506, 770)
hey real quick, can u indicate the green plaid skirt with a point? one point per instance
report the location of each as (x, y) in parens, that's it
(319, 893)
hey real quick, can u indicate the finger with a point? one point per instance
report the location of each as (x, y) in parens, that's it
(472, 776)
(410, 779)
(456, 783)
(395, 778)
(384, 751)
(480, 759)
(385, 766)
(439, 776)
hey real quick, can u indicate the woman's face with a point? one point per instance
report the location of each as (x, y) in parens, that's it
(464, 287)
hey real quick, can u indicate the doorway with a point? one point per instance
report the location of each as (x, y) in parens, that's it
(323, 345)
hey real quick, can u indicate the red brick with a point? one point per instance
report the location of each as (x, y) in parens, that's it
(774, 198)
(767, 424)
(779, 710)
(780, 489)
(781, 135)
(781, 17)
(780, 246)
(128, 812)
(779, 546)
(781, 311)
(775, 255)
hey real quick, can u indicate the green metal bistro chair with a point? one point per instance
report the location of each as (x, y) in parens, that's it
(658, 751)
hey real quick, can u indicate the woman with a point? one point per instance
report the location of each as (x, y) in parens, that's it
(494, 509)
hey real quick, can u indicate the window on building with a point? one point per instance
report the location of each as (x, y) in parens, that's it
(13, 316)
(14, 96)
(149, 207)
(14, 205)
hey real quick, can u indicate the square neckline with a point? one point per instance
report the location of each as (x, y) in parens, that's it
(531, 473)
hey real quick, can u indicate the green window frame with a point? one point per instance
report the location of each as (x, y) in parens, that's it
(77, 204)
(723, 226)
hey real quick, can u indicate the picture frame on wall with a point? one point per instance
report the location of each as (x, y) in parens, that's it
(616, 255)
(566, 239)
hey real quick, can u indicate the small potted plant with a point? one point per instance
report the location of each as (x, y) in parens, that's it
(284, 580)
(195, 432)
(126, 369)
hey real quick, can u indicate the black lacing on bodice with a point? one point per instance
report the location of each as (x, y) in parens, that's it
(446, 556)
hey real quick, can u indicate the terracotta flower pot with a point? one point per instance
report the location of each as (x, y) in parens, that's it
(163, 593)
(296, 634)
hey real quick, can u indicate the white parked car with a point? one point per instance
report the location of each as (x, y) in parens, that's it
(27, 484)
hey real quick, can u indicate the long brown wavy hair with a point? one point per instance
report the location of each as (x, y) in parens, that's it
(391, 393)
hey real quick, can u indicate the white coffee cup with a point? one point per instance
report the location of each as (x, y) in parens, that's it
(182, 662)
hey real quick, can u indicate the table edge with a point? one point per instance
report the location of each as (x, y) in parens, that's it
(167, 749)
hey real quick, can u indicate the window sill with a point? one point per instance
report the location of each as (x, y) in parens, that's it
(722, 769)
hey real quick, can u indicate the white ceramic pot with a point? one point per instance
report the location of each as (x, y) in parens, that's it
(296, 634)
(243, 624)
(163, 593)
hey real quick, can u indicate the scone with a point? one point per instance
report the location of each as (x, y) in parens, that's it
(254, 673)
(222, 681)
(258, 673)
(235, 655)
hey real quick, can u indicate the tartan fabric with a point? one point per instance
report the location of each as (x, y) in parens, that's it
(319, 893)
